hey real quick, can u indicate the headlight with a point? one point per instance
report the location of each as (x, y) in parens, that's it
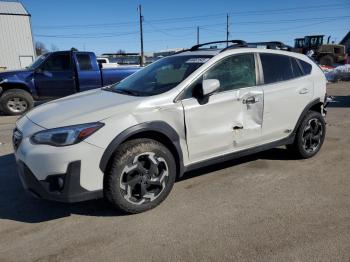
(65, 136)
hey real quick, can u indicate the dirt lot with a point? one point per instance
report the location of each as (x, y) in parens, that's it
(267, 207)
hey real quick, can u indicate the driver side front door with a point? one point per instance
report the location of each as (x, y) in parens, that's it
(56, 77)
(231, 118)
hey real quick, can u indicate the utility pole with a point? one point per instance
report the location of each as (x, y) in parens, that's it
(197, 35)
(227, 29)
(141, 35)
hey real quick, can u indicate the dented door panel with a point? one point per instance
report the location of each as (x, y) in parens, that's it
(209, 126)
(251, 116)
(224, 124)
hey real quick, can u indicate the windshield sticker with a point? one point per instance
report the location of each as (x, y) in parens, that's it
(197, 60)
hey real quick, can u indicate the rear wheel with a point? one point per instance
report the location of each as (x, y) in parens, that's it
(327, 60)
(16, 102)
(141, 176)
(310, 136)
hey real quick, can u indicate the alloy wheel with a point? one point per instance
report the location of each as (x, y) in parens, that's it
(145, 179)
(17, 105)
(312, 135)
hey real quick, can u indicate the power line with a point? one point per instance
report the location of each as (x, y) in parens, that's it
(218, 15)
(204, 27)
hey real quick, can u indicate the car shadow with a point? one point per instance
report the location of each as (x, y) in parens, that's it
(18, 205)
(272, 154)
(340, 101)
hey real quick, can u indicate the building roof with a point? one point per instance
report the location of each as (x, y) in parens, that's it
(346, 37)
(12, 8)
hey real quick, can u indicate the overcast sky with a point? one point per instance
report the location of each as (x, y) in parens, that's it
(110, 25)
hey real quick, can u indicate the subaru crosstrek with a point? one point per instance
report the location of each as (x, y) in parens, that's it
(128, 142)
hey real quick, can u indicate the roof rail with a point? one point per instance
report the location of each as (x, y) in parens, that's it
(237, 42)
(271, 45)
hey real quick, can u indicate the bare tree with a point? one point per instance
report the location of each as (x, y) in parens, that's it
(120, 51)
(40, 48)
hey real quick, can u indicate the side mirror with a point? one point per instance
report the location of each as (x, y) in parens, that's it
(209, 86)
(38, 71)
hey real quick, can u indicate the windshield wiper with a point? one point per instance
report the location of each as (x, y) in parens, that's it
(126, 91)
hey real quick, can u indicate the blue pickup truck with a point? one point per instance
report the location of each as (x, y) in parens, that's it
(54, 75)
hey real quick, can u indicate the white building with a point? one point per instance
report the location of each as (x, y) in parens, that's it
(16, 39)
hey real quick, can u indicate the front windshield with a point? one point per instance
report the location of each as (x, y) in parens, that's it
(38, 61)
(161, 76)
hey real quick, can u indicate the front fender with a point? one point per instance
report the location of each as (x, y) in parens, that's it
(156, 126)
(24, 81)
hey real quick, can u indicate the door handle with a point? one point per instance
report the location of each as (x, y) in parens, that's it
(303, 91)
(250, 100)
(237, 127)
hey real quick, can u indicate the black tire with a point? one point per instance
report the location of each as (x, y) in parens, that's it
(327, 60)
(310, 136)
(123, 183)
(16, 102)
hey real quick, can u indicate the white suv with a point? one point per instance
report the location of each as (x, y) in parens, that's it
(129, 142)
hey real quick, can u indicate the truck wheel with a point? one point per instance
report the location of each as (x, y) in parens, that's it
(16, 102)
(327, 60)
(310, 135)
(141, 176)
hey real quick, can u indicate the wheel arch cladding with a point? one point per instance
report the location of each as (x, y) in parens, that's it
(314, 105)
(158, 130)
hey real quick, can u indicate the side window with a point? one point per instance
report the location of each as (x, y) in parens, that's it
(306, 67)
(102, 61)
(296, 68)
(234, 72)
(57, 62)
(84, 62)
(276, 68)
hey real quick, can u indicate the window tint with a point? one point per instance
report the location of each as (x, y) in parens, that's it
(296, 68)
(84, 62)
(276, 68)
(306, 67)
(234, 72)
(57, 62)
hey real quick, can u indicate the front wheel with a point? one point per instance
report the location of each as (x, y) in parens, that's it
(16, 102)
(141, 176)
(310, 135)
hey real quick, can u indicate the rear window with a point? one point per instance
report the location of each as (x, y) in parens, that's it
(306, 67)
(276, 68)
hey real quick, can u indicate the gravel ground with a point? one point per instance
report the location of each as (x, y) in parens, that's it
(266, 207)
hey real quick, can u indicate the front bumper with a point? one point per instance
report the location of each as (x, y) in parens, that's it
(69, 191)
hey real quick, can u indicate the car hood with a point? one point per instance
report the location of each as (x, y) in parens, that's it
(14, 74)
(85, 107)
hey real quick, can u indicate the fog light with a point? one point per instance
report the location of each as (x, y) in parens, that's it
(60, 183)
(55, 182)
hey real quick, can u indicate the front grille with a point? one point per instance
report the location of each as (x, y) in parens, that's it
(16, 138)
